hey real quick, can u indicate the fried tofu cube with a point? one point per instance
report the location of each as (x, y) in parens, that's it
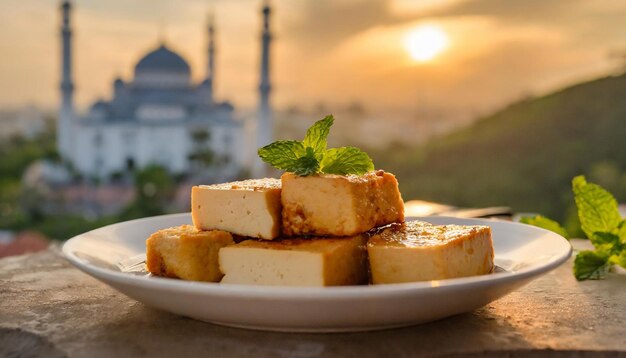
(339, 205)
(296, 262)
(247, 208)
(418, 251)
(187, 253)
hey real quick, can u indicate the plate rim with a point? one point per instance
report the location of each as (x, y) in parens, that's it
(316, 293)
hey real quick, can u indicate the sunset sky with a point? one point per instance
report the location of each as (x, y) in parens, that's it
(468, 56)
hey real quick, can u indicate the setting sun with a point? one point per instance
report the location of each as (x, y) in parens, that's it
(425, 42)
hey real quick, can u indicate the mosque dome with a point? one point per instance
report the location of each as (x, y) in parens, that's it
(162, 59)
(162, 68)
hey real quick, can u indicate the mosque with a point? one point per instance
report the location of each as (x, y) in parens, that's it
(160, 116)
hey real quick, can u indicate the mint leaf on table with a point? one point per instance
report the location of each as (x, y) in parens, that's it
(603, 225)
(619, 259)
(311, 156)
(622, 233)
(317, 134)
(283, 154)
(346, 160)
(545, 223)
(597, 208)
(606, 242)
(590, 265)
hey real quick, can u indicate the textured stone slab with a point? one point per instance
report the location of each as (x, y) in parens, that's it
(48, 308)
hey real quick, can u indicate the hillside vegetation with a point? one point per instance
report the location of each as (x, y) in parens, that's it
(525, 155)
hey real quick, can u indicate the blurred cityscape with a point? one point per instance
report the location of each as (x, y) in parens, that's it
(467, 102)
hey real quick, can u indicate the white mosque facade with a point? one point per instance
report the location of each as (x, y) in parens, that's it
(159, 117)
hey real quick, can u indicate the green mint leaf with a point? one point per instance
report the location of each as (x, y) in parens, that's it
(311, 157)
(619, 259)
(597, 208)
(606, 242)
(316, 136)
(346, 160)
(545, 223)
(283, 154)
(307, 164)
(590, 265)
(622, 233)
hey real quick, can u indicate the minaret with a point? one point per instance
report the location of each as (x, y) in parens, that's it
(264, 127)
(66, 112)
(210, 70)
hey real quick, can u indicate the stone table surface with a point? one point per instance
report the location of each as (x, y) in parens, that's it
(50, 309)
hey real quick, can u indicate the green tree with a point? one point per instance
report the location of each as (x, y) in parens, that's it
(154, 188)
(202, 155)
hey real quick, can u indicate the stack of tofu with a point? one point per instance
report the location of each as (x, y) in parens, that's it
(321, 230)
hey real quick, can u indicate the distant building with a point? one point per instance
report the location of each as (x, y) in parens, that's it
(159, 117)
(264, 124)
(25, 122)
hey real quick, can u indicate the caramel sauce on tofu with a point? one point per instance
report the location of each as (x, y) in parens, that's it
(422, 234)
(354, 178)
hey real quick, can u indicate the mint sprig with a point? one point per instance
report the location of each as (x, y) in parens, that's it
(590, 265)
(310, 156)
(283, 154)
(346, 160)
(597, 208)
(606, 243)
(545, 223)
(602, 223)
(307, 164)
(316, 136)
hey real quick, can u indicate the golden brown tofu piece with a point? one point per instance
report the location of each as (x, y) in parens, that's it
(187, 253)
(296, 262)
(418, 251)
(339, 205)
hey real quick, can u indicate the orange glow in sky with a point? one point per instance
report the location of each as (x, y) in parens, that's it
(426, 42)
(459, 56)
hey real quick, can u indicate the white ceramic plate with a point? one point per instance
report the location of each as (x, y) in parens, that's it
(114, 255)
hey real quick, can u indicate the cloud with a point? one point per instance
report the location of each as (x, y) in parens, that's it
(326, 24)
(583, 21)
(524, 11)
